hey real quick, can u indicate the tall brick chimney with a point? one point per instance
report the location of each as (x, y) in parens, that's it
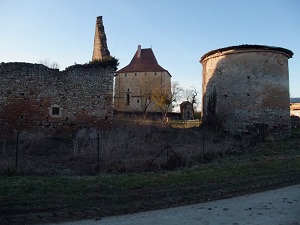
(100, 44)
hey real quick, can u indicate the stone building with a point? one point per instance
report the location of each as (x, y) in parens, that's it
(295, 106)
(187, 110)
(136, 82)
(35, 95)
(246, 90)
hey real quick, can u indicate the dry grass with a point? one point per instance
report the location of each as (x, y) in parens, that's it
(123, 148)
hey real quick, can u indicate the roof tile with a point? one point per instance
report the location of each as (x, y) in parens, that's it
(145, 63)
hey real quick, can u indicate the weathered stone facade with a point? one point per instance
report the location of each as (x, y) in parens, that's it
(100, 43)
(246, 90)
(136, 83)
(132, 89)
(35, 95)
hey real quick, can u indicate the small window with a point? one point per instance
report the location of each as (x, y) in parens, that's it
(138, 101)
(127, 99)
(155, 73)
(145, 73)
(125, 74)
(55, 111)
(135, 74)
(128, 90)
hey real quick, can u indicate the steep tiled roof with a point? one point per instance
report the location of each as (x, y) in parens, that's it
(145, 62)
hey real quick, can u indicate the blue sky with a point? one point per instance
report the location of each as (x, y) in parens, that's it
(179, 31)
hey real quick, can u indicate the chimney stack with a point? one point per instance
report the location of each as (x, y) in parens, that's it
(100, 44)
(139, 51)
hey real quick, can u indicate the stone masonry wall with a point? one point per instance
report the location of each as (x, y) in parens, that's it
(35, 95)
(100, 43)
(136, 85)
(247, 91)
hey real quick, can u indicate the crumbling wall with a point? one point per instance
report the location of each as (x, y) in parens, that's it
(35, 95)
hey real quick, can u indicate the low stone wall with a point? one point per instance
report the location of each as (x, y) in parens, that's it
(149, 115)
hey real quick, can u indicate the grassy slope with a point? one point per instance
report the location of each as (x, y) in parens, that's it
(30, 199)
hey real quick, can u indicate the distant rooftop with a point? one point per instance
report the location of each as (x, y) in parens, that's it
(144, 60)
(294, 100)
(289, 53)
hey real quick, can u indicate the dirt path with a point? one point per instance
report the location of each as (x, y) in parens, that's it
(276, 207)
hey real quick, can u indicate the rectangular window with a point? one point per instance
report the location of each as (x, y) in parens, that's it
(55, 111)
(127, 99)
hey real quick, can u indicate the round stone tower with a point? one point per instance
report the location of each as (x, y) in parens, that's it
(246, 90)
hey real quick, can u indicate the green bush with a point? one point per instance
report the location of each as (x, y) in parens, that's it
(108, 62)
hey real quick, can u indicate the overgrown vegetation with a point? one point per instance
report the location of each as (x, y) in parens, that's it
(123, 148)
(37, 199)
(108, 62)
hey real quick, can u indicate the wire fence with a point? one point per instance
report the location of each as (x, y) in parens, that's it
(121, 149)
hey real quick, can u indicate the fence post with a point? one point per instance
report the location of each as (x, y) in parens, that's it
(17, 150)
(98, 156)
(202, 144)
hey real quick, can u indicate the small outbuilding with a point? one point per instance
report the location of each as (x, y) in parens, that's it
(187, 110)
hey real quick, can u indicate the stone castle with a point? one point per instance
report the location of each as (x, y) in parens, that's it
(245, 89)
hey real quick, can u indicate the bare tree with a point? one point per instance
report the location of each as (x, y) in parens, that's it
(164, 98)
(50, 64)
(146, 88)
(191, 96)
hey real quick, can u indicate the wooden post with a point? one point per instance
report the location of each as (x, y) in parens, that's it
(98, 156)
(17, 150)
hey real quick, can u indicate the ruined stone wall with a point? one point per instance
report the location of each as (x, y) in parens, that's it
(247, 91)
(35, 95)
(136, 85)
(100, 43)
